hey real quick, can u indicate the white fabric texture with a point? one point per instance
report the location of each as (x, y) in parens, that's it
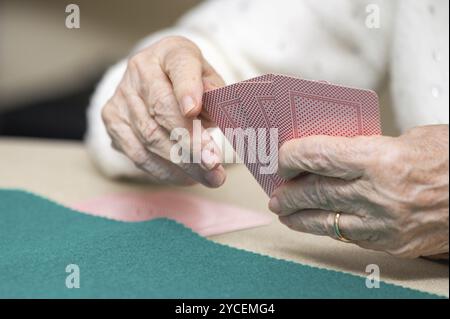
(323, 40)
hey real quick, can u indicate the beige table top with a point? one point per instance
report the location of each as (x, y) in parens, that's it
(63, 172)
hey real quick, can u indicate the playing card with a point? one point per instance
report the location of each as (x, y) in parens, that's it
(240, 106)
(257, 98)
(308, 107)
(262, 78)
(295, 108)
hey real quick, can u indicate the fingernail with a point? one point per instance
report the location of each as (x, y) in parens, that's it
(274, 205)
(188, 104)
(216, 177)
(209, 159)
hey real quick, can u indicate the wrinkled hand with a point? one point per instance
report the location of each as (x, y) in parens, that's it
(162, 90)
(393, 193)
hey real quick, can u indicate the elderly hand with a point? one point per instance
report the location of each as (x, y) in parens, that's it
(162, 90)
(393, 193)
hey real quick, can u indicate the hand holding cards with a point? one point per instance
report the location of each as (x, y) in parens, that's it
(258, 115)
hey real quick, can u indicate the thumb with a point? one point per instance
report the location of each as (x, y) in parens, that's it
(184, 69)
(341, 157)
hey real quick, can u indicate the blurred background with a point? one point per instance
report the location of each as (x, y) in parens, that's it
(48, 72)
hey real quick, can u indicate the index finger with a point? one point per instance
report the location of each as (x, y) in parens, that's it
(183, 66)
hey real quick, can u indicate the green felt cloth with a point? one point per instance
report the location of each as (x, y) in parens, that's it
(153, 259)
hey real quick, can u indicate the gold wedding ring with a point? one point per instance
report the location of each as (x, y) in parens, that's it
(337, 231)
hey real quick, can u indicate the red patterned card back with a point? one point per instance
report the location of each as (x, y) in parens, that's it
(318, 108)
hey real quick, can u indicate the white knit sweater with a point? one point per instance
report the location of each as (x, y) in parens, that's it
(314, 39)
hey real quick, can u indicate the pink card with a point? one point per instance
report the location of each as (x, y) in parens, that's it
(262, 78)
(240, 105)
(259, 102)
(296, 108)
(203, 216)
(308, 107)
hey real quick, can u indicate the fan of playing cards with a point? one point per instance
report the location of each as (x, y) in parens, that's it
(292, 108)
